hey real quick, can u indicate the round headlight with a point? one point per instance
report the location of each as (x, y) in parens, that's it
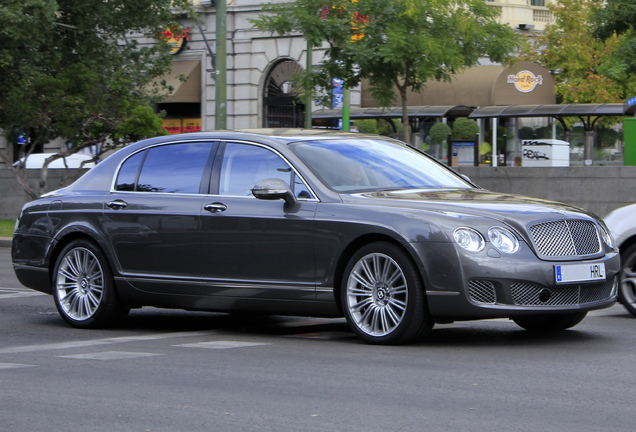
(469, 239)
(503, 239)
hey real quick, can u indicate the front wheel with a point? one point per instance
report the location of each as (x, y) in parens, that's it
(627, 288)
(383, 297)
(546, 323)
(84, 289)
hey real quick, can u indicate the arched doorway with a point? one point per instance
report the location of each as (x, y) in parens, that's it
(281, 106)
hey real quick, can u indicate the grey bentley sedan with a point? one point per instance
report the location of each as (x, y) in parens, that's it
(314, 223)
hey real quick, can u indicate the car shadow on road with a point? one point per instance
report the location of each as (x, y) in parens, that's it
(467, 334)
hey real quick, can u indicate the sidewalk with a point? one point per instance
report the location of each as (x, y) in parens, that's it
(5, 241)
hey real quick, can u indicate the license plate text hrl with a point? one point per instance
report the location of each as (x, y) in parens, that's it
(579, 273)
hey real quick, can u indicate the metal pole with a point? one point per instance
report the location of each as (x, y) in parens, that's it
(588, 150)
(308, 95)
(476, 151)
(220, 99)
(346, 103)
(495, 157)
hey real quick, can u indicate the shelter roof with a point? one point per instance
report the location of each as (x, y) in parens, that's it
(550, 110)
(396, 112)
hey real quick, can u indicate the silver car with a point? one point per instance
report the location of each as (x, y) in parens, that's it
(621, 224)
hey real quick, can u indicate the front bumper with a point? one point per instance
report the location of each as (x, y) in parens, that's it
(464, 286)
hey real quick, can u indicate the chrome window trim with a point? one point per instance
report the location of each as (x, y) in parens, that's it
(266, 147)
(113, 184)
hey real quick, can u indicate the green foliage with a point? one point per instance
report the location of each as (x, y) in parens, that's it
(375, 127)
(465, 129)
(608, 137)
(585, 69)
(395, 44)
(618, 17)
(439, 133)
(71, 71)
(526, 133)
(501, 132)
(6, 227)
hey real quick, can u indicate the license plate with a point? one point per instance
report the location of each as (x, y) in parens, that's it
(579, 273)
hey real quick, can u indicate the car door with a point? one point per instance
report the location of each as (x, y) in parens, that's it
(153, 216)
(256, 248)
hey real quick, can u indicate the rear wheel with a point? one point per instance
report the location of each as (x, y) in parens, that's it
(383, 297)
(83, 287)
(627, 288)
(550, 322)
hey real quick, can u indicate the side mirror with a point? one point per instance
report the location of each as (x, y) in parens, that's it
(274, 189)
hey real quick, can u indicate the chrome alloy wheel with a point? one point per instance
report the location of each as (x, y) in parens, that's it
(79, 284)
(627, 289)
(377, 294)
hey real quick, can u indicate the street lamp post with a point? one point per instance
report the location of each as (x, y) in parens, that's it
(220, 99)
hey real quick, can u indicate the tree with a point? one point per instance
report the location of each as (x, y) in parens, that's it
(375, 127)
(618, 17)
(395, 44)
(70, 71)
(577, 60)
(439, 133)
(526, 133)
(465, 129)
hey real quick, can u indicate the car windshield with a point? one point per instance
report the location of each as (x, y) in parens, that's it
(368, 164)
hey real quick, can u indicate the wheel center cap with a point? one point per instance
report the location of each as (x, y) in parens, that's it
(83, 285)
(381, 294)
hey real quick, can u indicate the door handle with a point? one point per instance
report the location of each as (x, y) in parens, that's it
(216, 207)
(117, 204)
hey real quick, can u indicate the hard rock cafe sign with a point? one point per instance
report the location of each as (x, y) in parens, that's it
(177, 38)
(525, 81)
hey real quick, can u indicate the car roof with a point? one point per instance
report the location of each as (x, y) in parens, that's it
(275, 137)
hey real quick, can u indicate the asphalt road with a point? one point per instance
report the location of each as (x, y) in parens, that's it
(187, 371)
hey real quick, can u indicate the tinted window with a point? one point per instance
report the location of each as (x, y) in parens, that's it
(176, 168)
(364, 164)
(244, 165)
(128, 173)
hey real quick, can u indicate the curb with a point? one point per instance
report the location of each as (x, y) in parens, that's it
(5, 242)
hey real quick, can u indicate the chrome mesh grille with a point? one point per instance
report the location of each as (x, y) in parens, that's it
(482, 291)
(524, 294)
(566, 238)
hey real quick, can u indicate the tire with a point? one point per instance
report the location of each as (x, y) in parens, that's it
(84, 289)
(382, 296)
(549, 323)
(627, 287)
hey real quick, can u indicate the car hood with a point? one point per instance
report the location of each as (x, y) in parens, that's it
(515, 209)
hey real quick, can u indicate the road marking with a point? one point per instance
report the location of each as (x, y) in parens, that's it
(9, 293)
(109, 355)
(96, 342)
(14, 365)
(326, 335)
(220, 345)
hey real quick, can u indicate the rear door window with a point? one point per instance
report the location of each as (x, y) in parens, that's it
(177, 168)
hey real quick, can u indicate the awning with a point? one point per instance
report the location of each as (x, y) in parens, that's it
(396, 112)
(587, 113)
(522, 83)
(188, 91)
(551, 110)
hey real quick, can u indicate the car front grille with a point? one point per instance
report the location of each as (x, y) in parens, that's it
(525, 294)
(566, 238)
(481, 291)
(529, 294)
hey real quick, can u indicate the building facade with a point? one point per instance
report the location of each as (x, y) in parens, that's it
(260, 68)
